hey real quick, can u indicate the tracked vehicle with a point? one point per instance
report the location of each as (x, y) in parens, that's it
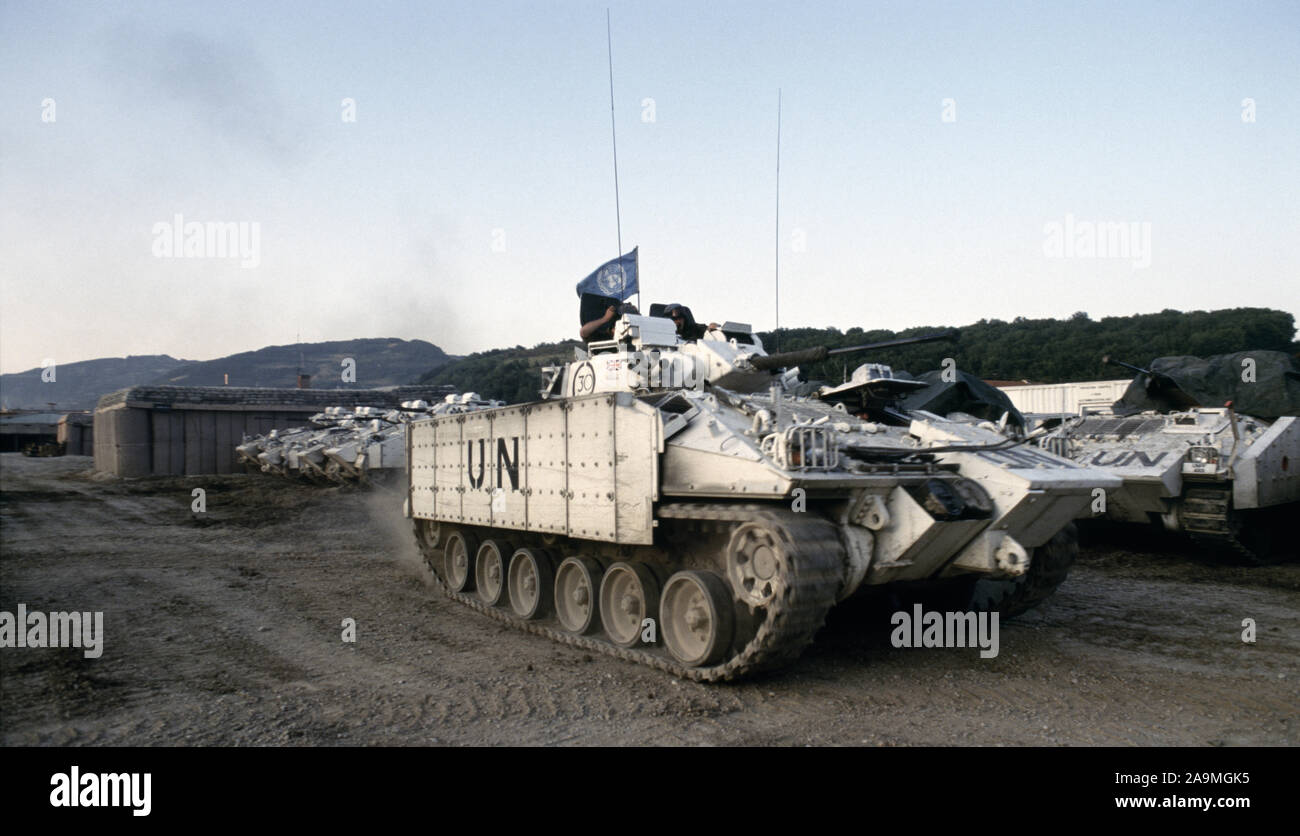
(1228, 481)
(666, 503)
(360, 444)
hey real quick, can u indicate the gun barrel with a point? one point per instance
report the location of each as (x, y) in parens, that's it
(821, 352)
(790, 358)
(1107, 360)
(950, 334)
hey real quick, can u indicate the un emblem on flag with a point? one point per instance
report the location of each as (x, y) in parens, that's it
(611, 280)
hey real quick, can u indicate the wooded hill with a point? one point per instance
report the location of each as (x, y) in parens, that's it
(1039, 350)
(513, 375)
(378, 361)
(1054, 350)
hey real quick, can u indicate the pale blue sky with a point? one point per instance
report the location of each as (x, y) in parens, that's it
(479, 117)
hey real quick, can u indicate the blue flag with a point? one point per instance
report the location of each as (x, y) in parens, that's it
(616, 278)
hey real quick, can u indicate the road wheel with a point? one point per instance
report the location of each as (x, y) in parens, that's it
(428, 533)
(458, 561)
(577, 584)
(629, 594)
(531, 583)
(698, 617)
(490, 572)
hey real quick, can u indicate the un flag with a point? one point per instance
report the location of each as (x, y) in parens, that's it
(616, 278)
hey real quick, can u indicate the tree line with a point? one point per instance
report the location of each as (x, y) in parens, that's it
(1037, 350)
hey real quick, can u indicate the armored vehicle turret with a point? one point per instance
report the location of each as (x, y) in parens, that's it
(667, 503)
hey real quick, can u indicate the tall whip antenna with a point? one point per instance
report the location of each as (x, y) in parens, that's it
(618, 218)
(776, 338)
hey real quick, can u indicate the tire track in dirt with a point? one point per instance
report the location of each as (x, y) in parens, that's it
(1134, 650)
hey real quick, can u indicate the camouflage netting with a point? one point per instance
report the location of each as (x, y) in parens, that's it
(1179, 382)
(966, 394)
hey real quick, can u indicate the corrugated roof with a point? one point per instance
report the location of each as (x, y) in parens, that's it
(33, 418)
(241, 395)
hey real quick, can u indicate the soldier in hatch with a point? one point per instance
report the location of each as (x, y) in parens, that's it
(687, 328)
(602, 328)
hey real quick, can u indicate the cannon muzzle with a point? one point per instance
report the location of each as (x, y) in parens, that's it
(1107, 360)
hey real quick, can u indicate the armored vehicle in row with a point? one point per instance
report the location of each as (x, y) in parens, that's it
(1206, 448)
(666, 503)
(359, 444)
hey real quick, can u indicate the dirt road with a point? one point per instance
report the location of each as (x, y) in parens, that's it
(224, 628)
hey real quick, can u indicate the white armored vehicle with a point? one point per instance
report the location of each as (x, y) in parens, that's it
(360, 444)
(666, 503)
(1229, 481)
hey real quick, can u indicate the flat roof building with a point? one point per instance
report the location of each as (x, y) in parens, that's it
(190, 430)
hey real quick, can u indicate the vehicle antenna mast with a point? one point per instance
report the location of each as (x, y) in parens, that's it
(776, 331)
(613, 132)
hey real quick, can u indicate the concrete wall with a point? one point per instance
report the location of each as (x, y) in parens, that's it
(76, 433)
(190, 430)
(134, 441)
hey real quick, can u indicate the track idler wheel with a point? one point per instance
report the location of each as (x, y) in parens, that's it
(428, 533)
(698, 618)
(629, 594)
(577, 585)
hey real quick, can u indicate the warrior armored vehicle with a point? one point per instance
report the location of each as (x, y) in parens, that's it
(360, 444)
(666, 503)
(1202, 451)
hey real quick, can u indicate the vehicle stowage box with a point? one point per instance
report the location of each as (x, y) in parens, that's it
(583, 467)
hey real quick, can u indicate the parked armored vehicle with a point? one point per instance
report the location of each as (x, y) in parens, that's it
(1191, 462)
(359, 444)
(666, 503)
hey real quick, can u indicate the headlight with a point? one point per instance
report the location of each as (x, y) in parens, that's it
(1203, 455)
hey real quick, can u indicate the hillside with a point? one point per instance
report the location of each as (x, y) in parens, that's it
(509, 374)
(378, 362)
(79, 385)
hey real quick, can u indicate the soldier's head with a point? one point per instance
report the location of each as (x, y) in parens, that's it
(679, 315)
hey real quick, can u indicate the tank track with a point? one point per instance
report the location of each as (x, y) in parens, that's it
(789, 623)
(1206, 517)
(1048, 569)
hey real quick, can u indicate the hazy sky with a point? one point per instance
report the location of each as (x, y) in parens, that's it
(475, 186)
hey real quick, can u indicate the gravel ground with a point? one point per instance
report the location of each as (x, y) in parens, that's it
(224, 628)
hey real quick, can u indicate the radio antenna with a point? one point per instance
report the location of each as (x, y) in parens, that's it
(613, 133)
(776, 332)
